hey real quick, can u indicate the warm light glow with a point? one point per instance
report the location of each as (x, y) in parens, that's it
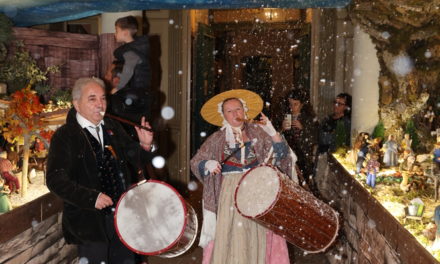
(270, 13)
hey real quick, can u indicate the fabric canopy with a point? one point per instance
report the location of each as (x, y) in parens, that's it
(34, 12)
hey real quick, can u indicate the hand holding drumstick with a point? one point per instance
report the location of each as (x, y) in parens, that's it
(145, 136)
(267, 126)
(144, 130)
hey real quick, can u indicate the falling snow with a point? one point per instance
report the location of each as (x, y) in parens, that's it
(34, 223)
(428, 54)
(167, 113)
(386, 35)
(128, 101)
(158, 162)
(192, 186)
(402, 65)
(83, 260)
(371, 224)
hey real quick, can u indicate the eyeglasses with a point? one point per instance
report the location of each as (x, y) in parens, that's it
(338, 103)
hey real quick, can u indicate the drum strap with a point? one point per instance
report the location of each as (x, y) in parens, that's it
(294, 158)
(268, 155)
(294, 176)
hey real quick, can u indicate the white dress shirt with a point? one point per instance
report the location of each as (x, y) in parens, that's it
(84, 123)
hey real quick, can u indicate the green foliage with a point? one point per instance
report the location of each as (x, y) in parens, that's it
(5, 29)
(21, 69)
(411, 130)
(341, 135)
(42, 88)
(62, 96)
(388, 180)
(379, 131)
(47, 93)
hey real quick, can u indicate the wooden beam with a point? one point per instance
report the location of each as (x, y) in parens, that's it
(21, 218)
(53, 38)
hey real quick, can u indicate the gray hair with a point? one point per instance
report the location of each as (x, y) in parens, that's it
(81, 82)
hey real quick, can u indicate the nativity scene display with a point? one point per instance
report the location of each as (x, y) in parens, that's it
(401, 169)
(27, 105)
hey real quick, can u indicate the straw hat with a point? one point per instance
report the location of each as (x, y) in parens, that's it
(210, 110)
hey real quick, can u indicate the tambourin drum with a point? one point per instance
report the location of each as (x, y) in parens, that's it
(152, 218)
(270, 198)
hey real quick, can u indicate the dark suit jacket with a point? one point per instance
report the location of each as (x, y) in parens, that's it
(72, 174)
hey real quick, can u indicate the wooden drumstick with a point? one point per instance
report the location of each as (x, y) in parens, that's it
(228, 157)
(125, 121)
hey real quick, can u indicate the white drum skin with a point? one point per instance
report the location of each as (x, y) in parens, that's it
(151, 218)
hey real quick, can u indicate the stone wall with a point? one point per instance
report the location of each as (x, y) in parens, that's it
(370, 234)
(32, 234)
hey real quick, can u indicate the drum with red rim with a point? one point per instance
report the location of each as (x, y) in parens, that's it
(270, 198)
(152, 218)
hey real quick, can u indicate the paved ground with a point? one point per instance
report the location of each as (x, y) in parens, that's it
(194, 255)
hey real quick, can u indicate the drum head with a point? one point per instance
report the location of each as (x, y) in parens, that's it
(257, 191)
(150, 218)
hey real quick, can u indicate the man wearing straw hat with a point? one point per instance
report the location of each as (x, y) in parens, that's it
(226, 236)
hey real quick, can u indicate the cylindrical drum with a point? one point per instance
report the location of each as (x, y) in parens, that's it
(269, 197)
(152, 218)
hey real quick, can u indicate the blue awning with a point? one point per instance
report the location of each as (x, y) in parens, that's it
(34, 12)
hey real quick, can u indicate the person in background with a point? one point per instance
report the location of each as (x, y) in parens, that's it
(300, 129)
(406, 143)
(436, 155)
(335, 129)
(372, 169)
(87, 168)
(334, 133)
(391, 151)
(360, 146)
(8, 175)
(133, 87)
(38, 146)
(115, 106)
(226, 236)
(5, 204)
(112, 77)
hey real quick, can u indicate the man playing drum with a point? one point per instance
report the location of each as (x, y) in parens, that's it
(226, 236)
(87, 169)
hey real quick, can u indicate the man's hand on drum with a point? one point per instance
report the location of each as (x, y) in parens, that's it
(268, 128)
(213, 167)
(103, 201)
(145, 136)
